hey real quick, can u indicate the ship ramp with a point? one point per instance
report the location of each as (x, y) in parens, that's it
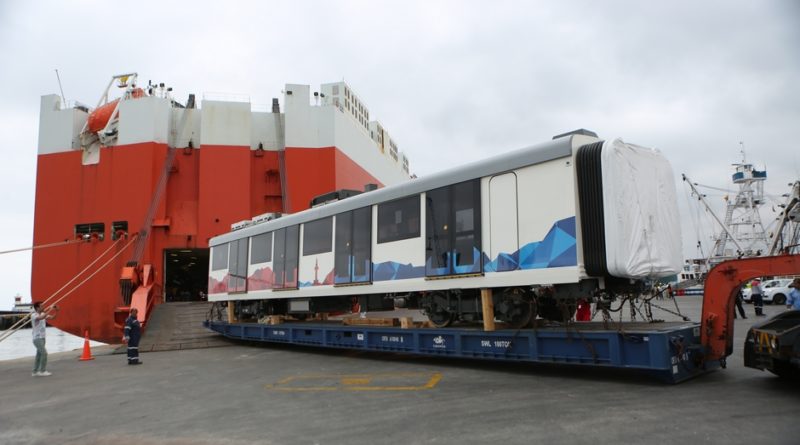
(178, 325)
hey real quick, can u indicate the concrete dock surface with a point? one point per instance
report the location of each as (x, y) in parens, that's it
(277, 394)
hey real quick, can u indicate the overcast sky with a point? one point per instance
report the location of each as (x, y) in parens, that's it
(452, 81)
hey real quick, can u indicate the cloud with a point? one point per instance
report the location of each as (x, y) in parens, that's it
(453, 81)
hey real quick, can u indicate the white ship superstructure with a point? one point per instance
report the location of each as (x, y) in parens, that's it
(743, 234)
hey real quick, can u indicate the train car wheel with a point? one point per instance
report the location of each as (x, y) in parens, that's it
(522, 316)
(515, 308)
(441, 319)
(436, 305)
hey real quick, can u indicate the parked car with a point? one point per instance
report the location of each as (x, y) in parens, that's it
(770, 289)
(747, 295)
(777, 294)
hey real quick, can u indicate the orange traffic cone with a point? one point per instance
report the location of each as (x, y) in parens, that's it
(87, 352)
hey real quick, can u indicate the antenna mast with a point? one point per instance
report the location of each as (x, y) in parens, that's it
(60, 88)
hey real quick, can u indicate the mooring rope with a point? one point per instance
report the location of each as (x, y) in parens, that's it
(21, 322)
(44, 246)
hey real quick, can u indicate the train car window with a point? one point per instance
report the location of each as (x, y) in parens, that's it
(452, 221)
(318, 236)
(261, 248)
(353, 262)
(219, 258)
(237, 266)
(399, 219)
(287, 245)
(233, 257)
(437, 231)
(466, 237)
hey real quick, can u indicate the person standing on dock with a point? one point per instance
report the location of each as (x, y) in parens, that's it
(758, 297)
(738, 302)
(39, 319)
(133, 333)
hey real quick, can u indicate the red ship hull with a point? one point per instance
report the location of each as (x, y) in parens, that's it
(106, 172)
(208, 189)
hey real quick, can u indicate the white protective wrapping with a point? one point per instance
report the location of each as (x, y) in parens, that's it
(643, 233)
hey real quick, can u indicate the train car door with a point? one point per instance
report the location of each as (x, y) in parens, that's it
(237, 265)
(503, 222)
(286, 256)
(353, 236)
(453, 235)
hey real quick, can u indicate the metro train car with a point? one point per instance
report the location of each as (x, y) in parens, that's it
(542, 227)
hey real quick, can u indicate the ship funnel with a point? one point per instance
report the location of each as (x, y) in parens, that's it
(276, 107)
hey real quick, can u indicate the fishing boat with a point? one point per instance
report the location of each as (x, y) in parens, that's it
(10, 318)
(129, 192)
(741, 232)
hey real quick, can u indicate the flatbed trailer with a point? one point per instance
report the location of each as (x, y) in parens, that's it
(669, 351)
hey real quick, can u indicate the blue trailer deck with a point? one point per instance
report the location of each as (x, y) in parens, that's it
(666, 350)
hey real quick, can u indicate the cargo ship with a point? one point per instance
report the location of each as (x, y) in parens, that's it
(129, 192)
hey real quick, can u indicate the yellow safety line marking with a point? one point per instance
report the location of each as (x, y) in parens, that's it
(357, 382)
(307, 388)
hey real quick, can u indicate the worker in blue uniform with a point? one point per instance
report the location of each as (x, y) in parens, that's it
(133, 333)
(793, 302)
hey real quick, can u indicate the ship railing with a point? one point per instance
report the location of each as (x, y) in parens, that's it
(156, 293)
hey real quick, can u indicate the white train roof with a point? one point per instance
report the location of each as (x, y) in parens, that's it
(554, 149)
